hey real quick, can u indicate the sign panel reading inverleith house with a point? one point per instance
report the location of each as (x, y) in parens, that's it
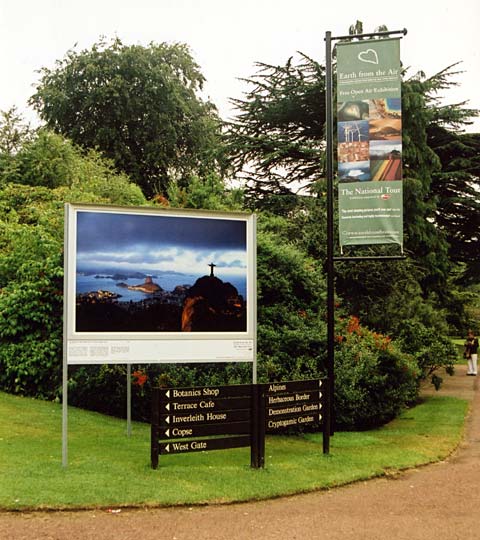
(369, 142)
(153, 285)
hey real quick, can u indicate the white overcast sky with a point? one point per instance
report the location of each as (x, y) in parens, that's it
(227, 37)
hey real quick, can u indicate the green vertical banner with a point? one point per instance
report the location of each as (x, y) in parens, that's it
(369, 116)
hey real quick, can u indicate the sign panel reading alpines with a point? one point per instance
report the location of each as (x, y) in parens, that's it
(369, 142)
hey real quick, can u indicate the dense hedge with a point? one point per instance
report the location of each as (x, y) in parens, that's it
(374, 379)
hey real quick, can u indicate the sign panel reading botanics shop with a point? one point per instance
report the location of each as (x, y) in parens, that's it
(369, 142)
(152, 285)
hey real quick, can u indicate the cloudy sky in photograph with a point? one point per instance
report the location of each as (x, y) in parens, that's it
(152, 243)
(227, 37)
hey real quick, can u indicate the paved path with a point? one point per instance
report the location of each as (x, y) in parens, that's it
(440, 501)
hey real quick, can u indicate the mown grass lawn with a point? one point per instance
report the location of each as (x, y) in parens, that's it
(107, 468)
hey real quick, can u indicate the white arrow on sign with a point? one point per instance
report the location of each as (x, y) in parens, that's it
(167, 406)
(167, 419)
(167, 433)
(319, 383)
(167, 393)
(167, 448)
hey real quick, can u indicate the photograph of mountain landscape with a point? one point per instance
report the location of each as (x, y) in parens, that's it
(154, 272)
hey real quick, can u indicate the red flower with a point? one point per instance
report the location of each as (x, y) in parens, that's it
(353, 325)
(139, 378)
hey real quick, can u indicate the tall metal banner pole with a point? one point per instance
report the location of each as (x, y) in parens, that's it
(330, 265)
(330, 209)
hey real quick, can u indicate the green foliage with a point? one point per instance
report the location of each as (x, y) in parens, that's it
(14, 132)
(138, 105)
(276, 140)
(31, 254)
(208, 193)
(374, 378)
(46, 160)
(457, 187)
(291, 293)
(431, 350)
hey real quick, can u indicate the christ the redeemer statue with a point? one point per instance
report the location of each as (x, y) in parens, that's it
(212, 266)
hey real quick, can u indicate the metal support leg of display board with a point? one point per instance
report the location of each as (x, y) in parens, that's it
(129, 400)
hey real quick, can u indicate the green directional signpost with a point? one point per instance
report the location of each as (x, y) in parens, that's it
(216, 418)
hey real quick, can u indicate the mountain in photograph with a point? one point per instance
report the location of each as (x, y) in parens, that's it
(210, 305)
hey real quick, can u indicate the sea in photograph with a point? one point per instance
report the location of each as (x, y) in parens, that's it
(168, 282)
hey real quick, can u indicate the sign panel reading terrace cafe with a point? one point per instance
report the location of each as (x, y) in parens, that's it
(369, 142)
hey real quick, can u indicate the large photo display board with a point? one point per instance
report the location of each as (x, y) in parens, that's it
(147, 285)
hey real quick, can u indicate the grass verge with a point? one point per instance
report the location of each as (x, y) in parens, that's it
(107, 468)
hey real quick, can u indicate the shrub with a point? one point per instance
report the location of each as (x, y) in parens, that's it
(374, 379)
(430, 349)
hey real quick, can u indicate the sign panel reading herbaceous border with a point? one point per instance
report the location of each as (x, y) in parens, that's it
(369, 142)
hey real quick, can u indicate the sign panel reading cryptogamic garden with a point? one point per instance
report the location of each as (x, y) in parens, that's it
(369, 142)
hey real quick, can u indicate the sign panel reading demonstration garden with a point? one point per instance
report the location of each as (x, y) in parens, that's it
(369, 142)
(153, 285)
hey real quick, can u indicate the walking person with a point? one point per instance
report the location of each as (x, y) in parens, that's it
(471, 352)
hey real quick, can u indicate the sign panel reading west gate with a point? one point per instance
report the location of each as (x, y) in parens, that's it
(369, 142)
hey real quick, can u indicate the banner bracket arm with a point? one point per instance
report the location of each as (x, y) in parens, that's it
(373, 34)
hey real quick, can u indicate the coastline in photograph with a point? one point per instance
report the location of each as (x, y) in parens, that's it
(354, 172)
(153, 273)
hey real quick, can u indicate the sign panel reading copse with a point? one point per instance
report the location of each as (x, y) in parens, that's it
(369, 142)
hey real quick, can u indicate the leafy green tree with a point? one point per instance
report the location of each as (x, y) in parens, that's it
(139, 105)
(276, 142)
(456, 187)
(14, 132)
